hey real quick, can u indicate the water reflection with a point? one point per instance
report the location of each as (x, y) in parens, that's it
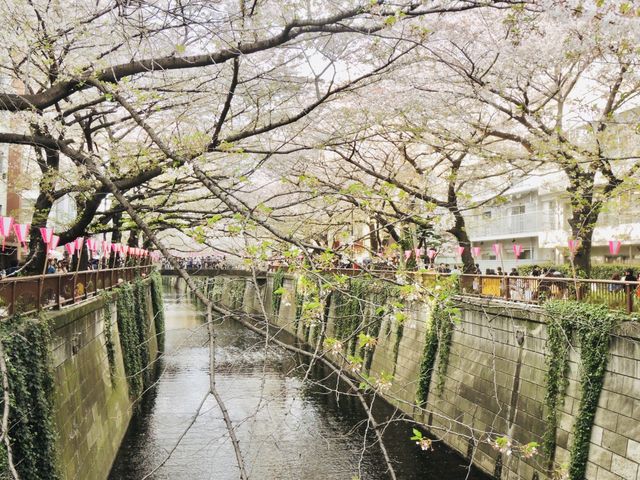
(287, 429)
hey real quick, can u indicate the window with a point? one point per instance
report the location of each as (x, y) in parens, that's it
(517, 210)
(526, 254)
(486, 214)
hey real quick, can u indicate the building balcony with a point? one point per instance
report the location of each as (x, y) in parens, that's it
(525, 224)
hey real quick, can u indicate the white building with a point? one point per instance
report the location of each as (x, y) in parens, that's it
(535, 214)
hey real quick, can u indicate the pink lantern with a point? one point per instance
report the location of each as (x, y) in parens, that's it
(20, 230)
(91, 244)
(106, 247)
(5, 228)
(407, 254)
(114, 247)
(46, 234)
(78, 242)
(431, 253)
(419, 252)
(614, 247)
(70, 248)
(460, 250)
(55, 239)
(497, 247)
(517, 250)
(475, 251)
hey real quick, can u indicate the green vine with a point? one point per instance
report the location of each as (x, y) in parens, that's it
(108, 335)
(278, 290)
(396, 345)
(444, 315)
(157, 303)
(349, 307)
(592, 326)
(381, 292)
(26, 346)
(299, 306)
(236, 294)
(132, 325)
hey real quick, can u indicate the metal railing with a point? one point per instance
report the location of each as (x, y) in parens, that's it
(54, 291)
(617, 295)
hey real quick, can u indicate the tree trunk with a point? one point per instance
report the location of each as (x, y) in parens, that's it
(37, 254)
(582, 226)
(585, 210)
(460, 232)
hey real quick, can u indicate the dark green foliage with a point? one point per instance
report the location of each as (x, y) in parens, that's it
(158, 308)
(600, 271)
(133, 327)
(592, 326)
(436, 347)
(216, 291)
(142, 329)
(26, 345)
(299, 305)
(236, 293)
(349, 311)
(4, 463)
(108, 335)
(396, 345)
(381, 292)
(276, 295)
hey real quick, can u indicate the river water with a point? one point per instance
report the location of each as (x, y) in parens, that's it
(287, 428)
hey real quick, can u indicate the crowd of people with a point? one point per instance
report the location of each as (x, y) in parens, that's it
(208, 262)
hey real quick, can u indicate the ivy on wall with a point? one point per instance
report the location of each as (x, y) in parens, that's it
(108, 335)
(381, 292)
(591, 325)
(26, 346)
(236, 293)
(444, 315)
(276, 295)
(133, 328)
(157, 302)
(349, 311)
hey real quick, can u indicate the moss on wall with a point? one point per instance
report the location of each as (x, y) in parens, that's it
(26, 345)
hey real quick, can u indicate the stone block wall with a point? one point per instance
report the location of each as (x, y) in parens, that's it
(92, 405)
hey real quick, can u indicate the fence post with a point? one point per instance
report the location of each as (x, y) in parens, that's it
(627, 291)
(40, 286)
(59, 293)
(13, 297)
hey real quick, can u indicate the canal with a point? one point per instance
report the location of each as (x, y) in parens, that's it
(287, 428)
